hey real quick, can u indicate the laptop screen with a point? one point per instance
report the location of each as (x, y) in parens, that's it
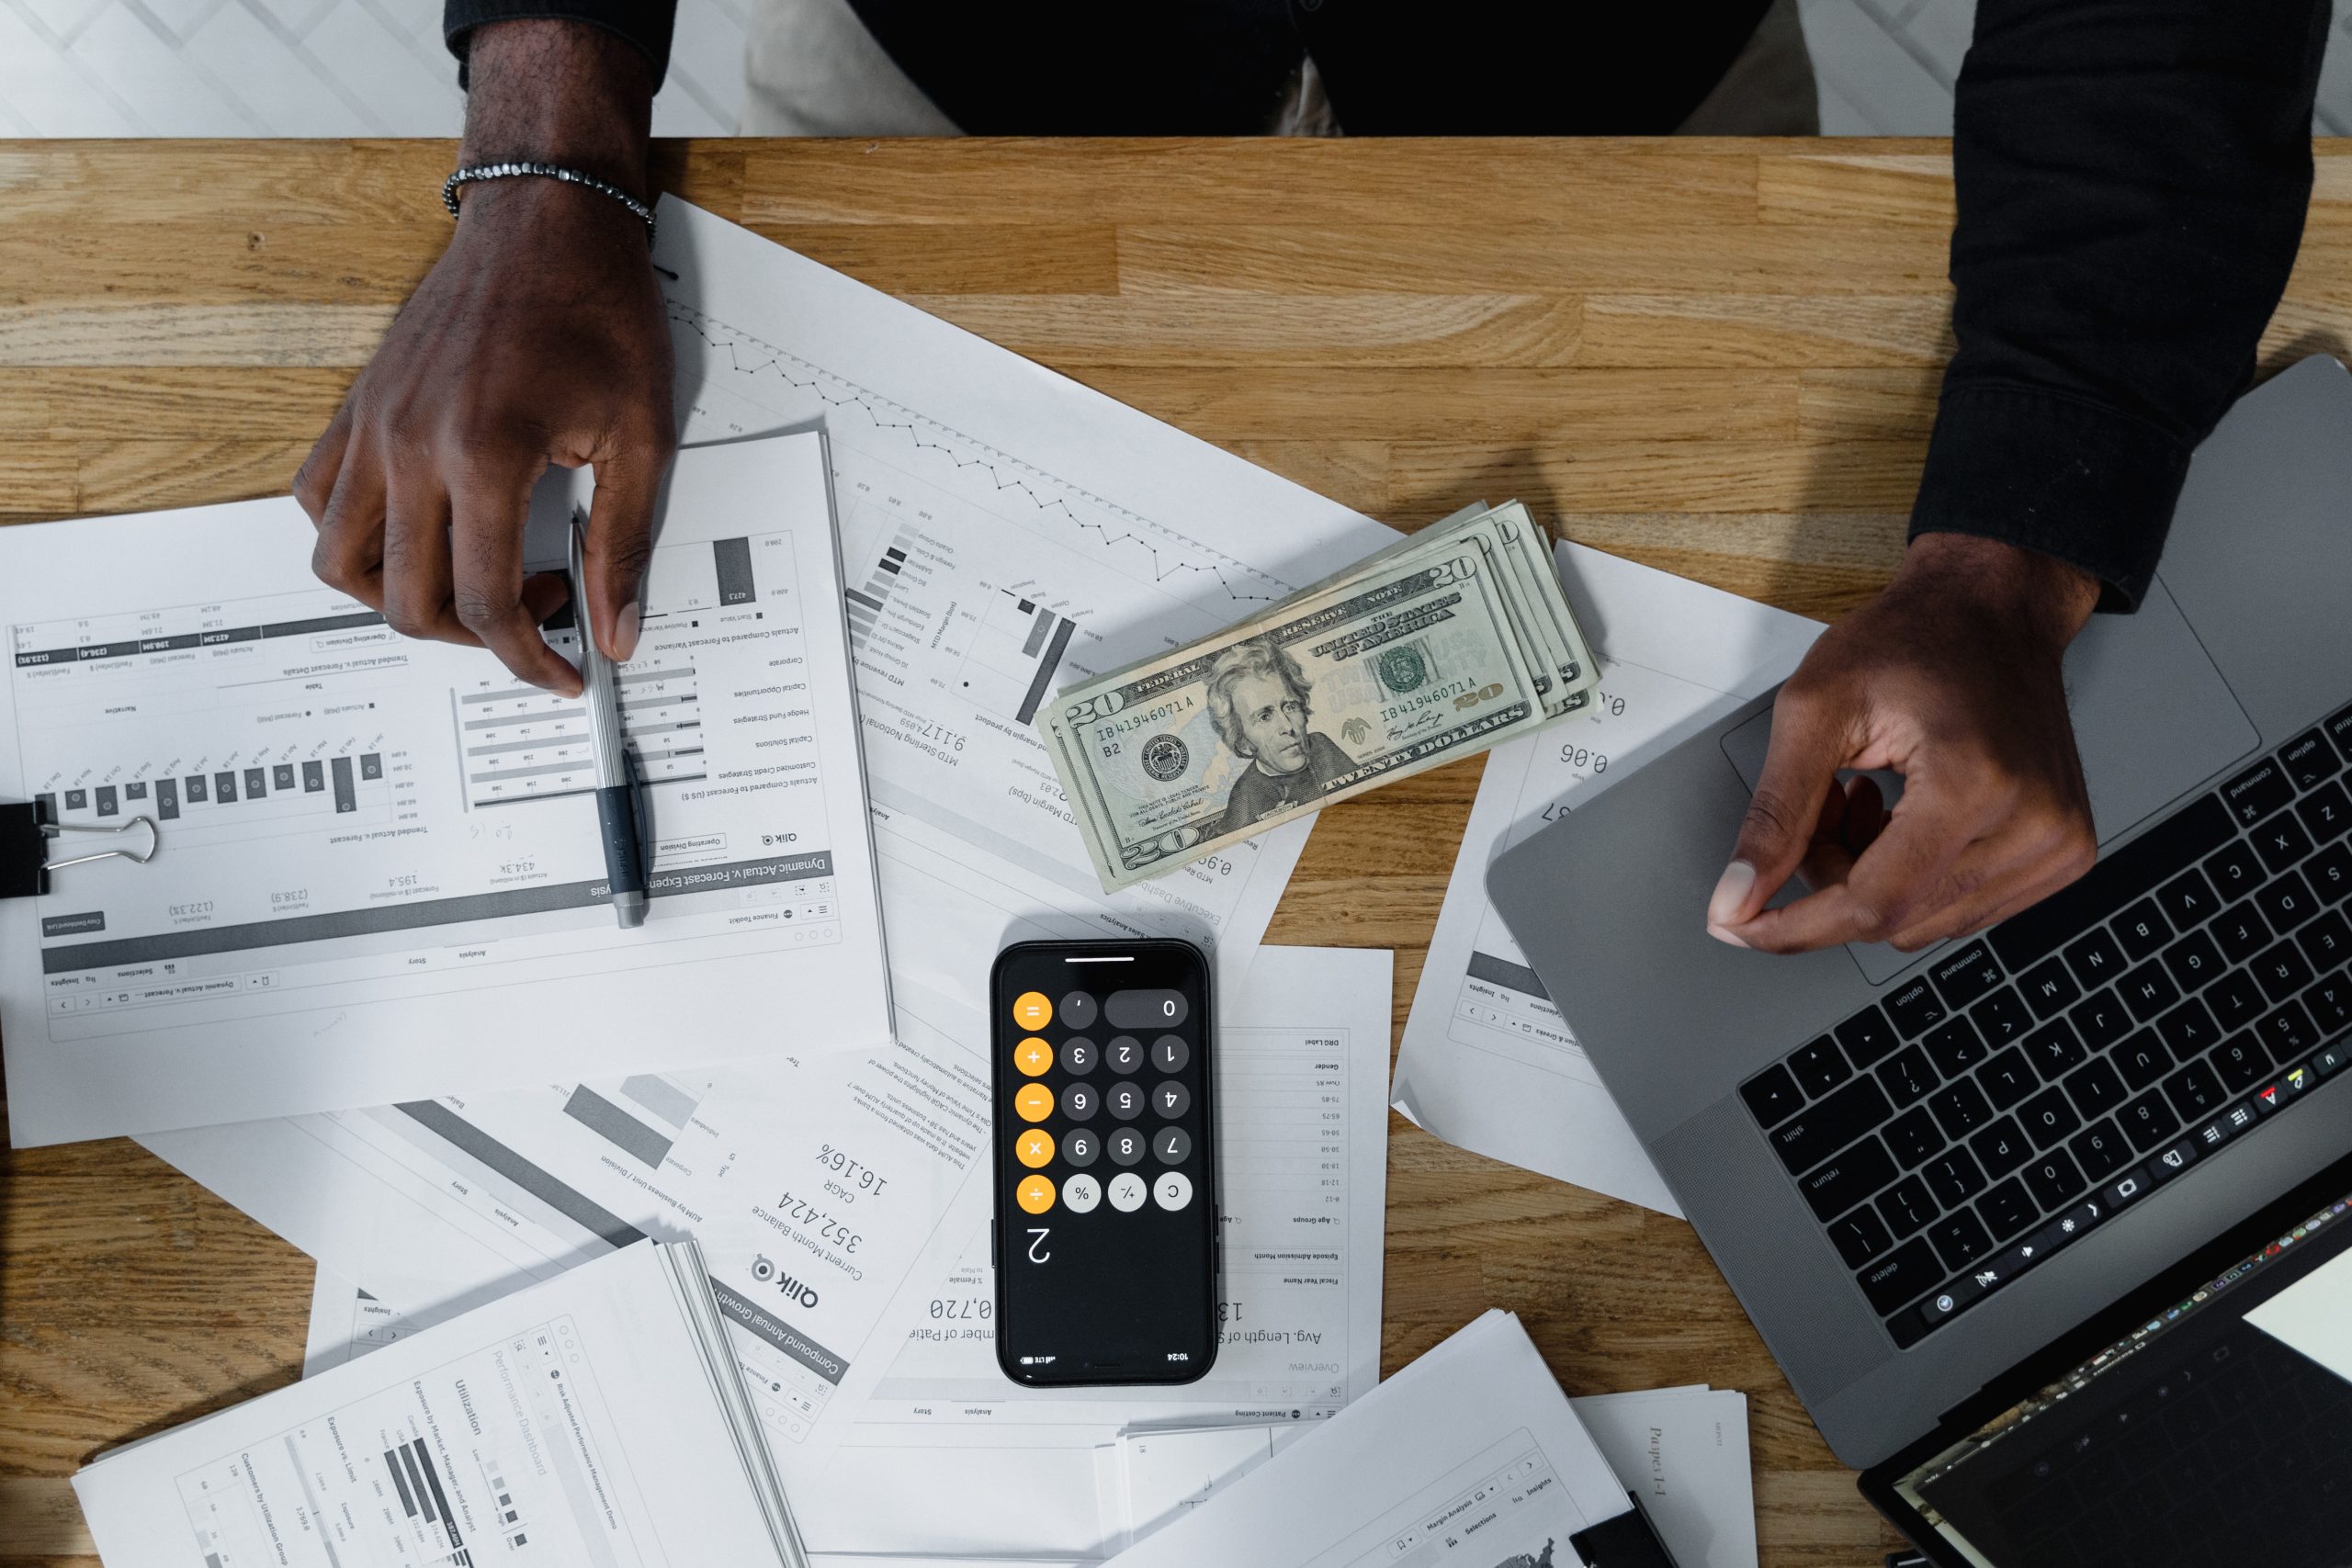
(2216, 1431)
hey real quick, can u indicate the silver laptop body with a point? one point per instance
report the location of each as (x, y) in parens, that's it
(2243, 646)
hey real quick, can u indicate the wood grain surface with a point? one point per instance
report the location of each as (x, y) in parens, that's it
(1718, 357)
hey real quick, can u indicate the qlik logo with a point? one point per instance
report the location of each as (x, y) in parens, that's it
(764, 1270)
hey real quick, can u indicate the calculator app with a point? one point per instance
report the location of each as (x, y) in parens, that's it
(1105, 1190)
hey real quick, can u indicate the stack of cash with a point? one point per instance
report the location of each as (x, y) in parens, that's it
(1454, 640)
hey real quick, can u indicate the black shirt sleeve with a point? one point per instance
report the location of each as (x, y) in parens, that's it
(645, 23)
(2131, 177)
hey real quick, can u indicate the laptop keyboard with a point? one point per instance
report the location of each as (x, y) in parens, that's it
(2032, 1082)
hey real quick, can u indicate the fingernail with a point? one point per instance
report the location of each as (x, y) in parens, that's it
(1727, 905)
(625, 630)
(1724, 934)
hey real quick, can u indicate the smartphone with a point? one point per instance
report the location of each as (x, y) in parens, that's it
(1106, 1152)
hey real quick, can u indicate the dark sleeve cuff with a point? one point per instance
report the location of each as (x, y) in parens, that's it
(2049, 473)
(646, 24)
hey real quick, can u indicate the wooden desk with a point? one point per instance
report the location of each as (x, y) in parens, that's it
(1716, 357)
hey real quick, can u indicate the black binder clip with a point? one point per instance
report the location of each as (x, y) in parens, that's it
(27, 831)
(1628, 1541)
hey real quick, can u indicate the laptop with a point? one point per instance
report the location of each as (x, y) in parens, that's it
(1926, 1175)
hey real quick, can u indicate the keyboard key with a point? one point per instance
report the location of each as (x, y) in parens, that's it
(2281, 972)
(2193, 961)
(1965, 976)
(2054, 1049)
(1822, 1129)
(2327, 942)
(2001, 1147)
(2333, 1060)
(2127, 1188)
(2241, 933)
(2174, 1158)
(2339, 729)
(1907, 1076)
(1960, 1109)
(1955, 1177)
(2308, 758)
(2101, 1019)
(1959, 1240)
(2100, 1149)
(2002, 1017)
(2148, 1120)
(1848, 1179)
(2096, 1088)
(2006, 1209)
(2242, 1061)
(2330, 874)
(2052, 1179)
(2257, 792)
(1914, 1135)
(2289, 1031)
(2148, 990)
(1906, 1207)
(2008, 1077)
(1868, 1038)
(1859, 1237)
(2330, 1003)
(2095, 959)
(2236, 999)
(2326, 813)
(2141, 929)
(2048, 1117)
(1915, 1007)
(1954, 1046)
(2188, 1029)
(1819, 1068)
(2050, 986)
(2138, 868)
(2236, 871)
(2195, 1092)
(2287, 902)
(2281, 842)
(1900, 1278)
(2141, 1059)
(2188, 900)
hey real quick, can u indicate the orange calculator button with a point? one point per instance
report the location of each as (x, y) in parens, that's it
(1035, 1148)
(1035, 1103)
(1032, 1055)
(1032, 1010)
(1036, 1194)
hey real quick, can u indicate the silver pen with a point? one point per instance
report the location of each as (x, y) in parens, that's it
(615, 790)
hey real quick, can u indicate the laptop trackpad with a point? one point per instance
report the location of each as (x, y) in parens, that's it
(2151, 718)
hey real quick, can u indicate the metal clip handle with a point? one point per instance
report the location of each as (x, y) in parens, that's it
(154, 840)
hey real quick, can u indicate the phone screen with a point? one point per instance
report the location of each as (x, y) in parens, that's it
(1105, 1163)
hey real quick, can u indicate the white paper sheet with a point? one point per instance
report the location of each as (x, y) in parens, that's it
(574, 1425)
(1487, 1061)
(1469, 1458)
(379, 873)
(1684, 1452)
(2314, 1316)
(946, 1457)
(815, 1187)
(1006, 532)
(1302, 1141)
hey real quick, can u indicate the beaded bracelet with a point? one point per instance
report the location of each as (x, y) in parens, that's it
(471, 172)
